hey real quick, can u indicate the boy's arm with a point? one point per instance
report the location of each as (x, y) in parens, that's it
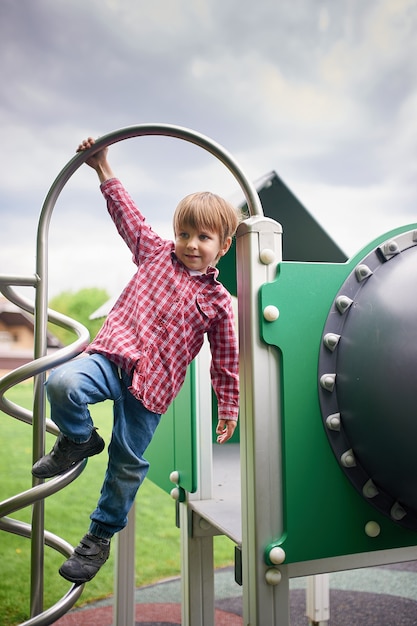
(98, 161)
(123, 211)
(224, 372)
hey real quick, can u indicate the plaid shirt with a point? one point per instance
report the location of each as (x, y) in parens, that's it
(157, 325)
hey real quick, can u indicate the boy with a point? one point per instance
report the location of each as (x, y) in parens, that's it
(140, 356)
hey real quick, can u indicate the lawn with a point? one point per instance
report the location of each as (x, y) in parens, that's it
(67, 515)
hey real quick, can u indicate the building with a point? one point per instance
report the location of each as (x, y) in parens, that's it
(16, 337)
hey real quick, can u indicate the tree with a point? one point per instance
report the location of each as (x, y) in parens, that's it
(79, 306)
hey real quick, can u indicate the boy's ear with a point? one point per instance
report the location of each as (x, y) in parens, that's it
(226, 246)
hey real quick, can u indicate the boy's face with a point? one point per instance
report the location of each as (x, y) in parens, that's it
(197, 250)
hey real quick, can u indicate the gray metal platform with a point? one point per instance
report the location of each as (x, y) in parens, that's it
(223, 512)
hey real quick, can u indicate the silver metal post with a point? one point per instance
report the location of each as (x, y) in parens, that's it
(124, 581)
(197, 558)
(258, 253)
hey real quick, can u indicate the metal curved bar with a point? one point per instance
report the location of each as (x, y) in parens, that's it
(56, 543)
(142, 130)
(42, 491)
(51, 615)
(23, 529)
(21, 281)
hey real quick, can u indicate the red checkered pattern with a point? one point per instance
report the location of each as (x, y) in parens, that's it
(157, 326)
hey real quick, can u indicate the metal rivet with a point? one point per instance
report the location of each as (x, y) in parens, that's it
(362, 272)
(343, 303)
(397, 512)
(273, 576)
(369, 489)
(372, 529)
(327, 381)
(175, 493)
(348, 459)
(333, 421)
(331, 340)
(174, 477)
(267, 256)
(389, 249)
(271, 313)
(277, 555)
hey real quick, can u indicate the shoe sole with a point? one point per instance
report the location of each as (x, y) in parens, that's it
(76, 581)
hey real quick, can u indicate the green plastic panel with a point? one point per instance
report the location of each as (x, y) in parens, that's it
(173, 447)
(324, 516)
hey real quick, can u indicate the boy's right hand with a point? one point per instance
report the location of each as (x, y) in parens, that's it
(98, 157)
(98, 161)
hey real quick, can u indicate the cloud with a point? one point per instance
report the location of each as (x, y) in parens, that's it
(324, 93)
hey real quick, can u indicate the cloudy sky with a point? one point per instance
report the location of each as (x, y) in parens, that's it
(324, 92)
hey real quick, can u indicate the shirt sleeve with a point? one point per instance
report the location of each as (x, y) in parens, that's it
(224, 367)
(129, 221)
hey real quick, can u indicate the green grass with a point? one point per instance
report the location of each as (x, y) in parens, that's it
(67, 515)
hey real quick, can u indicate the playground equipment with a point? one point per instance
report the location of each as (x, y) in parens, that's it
(326, 424)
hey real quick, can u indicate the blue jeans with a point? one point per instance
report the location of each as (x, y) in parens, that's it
(87, 380)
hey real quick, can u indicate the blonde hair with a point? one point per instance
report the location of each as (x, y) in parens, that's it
(204, 210)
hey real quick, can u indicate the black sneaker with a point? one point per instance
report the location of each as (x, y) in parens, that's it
(66, 453)
(88, 557)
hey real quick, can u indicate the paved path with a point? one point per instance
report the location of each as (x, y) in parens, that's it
(377, 596)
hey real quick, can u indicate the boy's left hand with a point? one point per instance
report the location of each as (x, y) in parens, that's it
(225, 430)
